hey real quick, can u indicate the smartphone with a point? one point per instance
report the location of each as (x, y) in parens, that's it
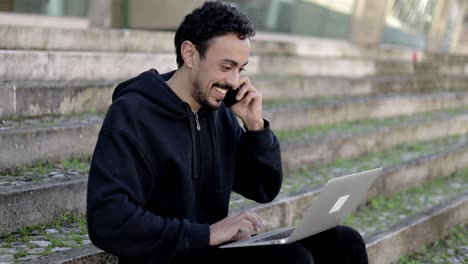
(230, 98)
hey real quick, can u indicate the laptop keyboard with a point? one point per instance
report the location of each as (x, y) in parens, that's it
(280, 235)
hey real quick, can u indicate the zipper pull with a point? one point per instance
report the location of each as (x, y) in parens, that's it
(198, 122)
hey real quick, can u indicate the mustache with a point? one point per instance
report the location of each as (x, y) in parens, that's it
(223, 85)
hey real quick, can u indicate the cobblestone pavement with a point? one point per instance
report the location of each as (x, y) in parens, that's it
(38, 242)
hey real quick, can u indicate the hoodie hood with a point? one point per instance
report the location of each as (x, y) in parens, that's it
(153, 87)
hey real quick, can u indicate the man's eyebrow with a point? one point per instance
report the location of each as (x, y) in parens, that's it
(235, 63)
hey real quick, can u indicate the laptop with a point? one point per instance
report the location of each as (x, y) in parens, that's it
(338, 198)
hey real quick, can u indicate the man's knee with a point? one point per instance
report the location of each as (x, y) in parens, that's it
(349, 235)
(300, 253)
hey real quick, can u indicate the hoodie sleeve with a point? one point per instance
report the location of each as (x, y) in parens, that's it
(258, 165)
(120, 182)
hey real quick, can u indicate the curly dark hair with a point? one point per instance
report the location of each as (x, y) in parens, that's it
(212, 19)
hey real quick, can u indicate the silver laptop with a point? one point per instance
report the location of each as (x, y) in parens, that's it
(339, 197)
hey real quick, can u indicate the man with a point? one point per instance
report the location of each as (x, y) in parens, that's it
(170, 152)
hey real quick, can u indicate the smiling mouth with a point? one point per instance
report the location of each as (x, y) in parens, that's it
(221, 90)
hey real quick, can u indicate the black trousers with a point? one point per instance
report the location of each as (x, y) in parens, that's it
(337, 245)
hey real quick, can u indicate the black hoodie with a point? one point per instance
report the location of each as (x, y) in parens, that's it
(160, 174)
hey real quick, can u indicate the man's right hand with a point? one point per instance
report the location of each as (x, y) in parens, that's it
(235, 227)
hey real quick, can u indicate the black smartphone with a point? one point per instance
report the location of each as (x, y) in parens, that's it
(230, 98)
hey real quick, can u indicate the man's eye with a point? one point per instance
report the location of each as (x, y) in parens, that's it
(224, 68)
(242, 69)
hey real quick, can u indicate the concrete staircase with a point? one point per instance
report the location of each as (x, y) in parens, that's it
(337, 109)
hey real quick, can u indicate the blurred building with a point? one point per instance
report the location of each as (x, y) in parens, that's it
(434, 25)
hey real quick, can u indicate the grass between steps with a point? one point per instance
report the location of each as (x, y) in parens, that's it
(43, 167)
(359, 125)
(47, 170)
(453, 248)
(382, 212)
(304, 180)
(70, 230)
(51, 119)
(278, 103)
(318, 100)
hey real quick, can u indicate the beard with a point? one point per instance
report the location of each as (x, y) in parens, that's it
(202, 98)
(199, 96)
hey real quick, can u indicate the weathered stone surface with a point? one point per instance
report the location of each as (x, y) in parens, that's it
(40, 204)
(7, 101)
(124, 40)
(89, 65)
(385, 247)
(421, 230)
(292, 117)
(285, 66)
(36, 99)
(86, 255)
(325, 149)
(37, 38)
(29, 144)
(53, 198)
(72, 66)
(6, 258)
(420, 171)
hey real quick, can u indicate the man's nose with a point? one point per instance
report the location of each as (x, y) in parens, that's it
(234, 80)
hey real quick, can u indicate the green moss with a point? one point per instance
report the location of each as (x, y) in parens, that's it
(21, 253)
(387, 210)
(312, 131)
(45, 167)
(65, 219)
(449, 249)
(77, 238)
(82, 224)
(56, 240)
(47, 250)
(308, 178)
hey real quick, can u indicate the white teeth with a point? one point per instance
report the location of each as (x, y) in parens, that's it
(221, 91)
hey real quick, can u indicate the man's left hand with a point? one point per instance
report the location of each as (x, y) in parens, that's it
(249, 107)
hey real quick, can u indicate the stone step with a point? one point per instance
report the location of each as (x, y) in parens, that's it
(23, 65)
(348, 141)
(298, 87)
(39, 196)
(353, 67)
(381, 212)
(91, 39)
(125, 40)
(423, 229)
(443, 214)
(27, 141)
(424, 161)
(27, 99)
(452, 248)
(439, 214)
(47, 138)
(41, 203)
(31, 19)
(286, 209)
(300, 114)
(309, 46)
(95, 65)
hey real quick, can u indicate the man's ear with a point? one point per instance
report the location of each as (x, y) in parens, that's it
(188, 52)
